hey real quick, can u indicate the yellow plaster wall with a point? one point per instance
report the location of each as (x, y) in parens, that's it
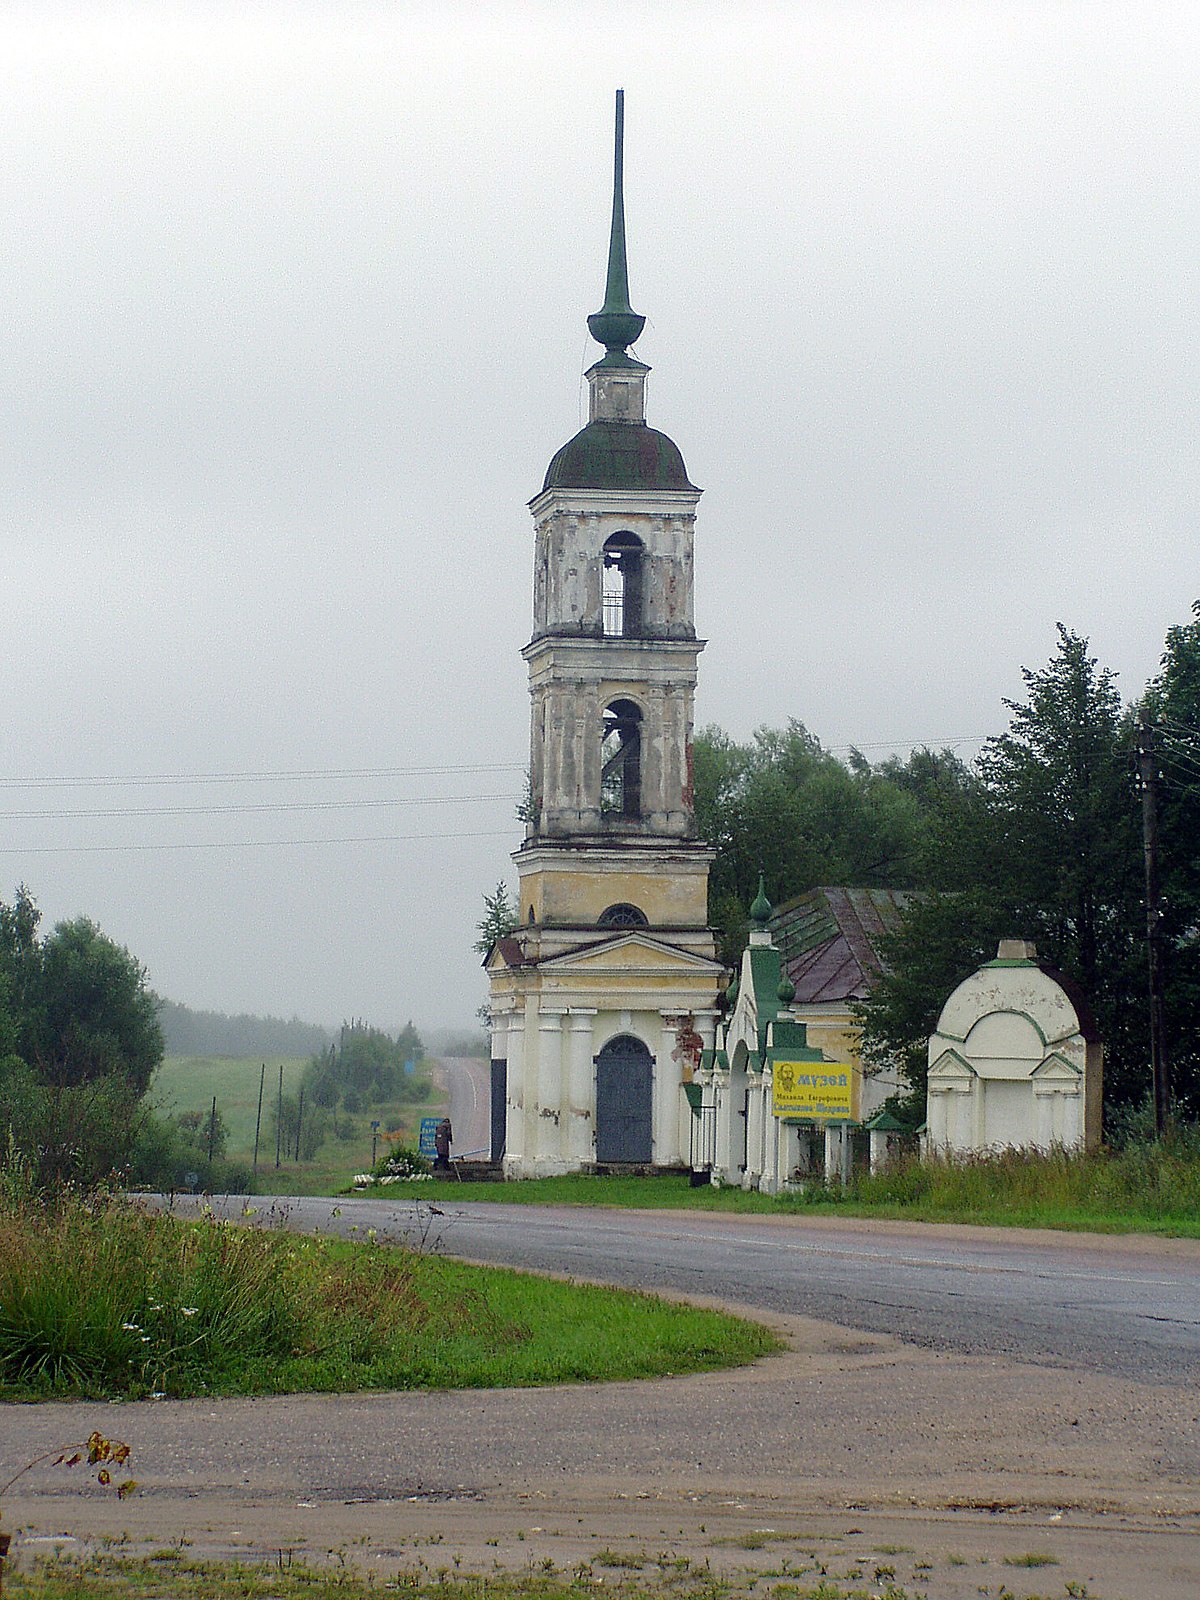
(668, 900)
(838, 1038)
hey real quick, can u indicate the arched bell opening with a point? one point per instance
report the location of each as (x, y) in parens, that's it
(622, 586)
(621, 761)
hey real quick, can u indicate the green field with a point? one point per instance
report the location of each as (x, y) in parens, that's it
(189, 1083)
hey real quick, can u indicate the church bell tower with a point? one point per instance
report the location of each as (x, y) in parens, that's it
(605, 993)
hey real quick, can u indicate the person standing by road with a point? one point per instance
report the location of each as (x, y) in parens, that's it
(442, 1139)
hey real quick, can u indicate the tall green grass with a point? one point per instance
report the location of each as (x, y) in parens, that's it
(100, 1298)
(1152, 1185)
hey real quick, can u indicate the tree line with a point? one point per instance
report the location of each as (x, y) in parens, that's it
(187, 1032)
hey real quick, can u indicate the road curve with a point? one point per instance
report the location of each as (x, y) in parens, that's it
(1126, 1307)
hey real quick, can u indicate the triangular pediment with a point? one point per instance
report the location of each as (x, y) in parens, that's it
(1056, 1069)
(950, 1067)
(630, 950)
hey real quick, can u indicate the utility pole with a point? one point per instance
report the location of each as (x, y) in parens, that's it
(1148, 770)
(262, 1079)
(279, 1118)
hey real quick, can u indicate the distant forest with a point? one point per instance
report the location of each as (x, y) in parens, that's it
(211, 1033)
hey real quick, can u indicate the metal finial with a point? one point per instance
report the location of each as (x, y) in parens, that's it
(617, 324)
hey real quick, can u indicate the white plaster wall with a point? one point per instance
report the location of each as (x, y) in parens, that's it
(571, 529)
(1009, 1114)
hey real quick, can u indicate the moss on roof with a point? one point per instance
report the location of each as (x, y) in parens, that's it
(618, 455)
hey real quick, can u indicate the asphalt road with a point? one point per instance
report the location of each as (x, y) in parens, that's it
(467, 1081)
(1128, 1308)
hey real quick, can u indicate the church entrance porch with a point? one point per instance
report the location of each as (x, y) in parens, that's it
(624, 1102)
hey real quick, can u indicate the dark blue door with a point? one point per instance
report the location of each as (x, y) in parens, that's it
(624, 1101)
(499, 1107)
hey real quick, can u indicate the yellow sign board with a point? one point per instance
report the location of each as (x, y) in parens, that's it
(819, 1090)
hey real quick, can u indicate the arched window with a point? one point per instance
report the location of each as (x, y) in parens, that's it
(622, 916)
(621, 761)
(622, 587)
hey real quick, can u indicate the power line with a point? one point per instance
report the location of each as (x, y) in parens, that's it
(247, 844)
(299, 775)
(333, 774)
(243, 808)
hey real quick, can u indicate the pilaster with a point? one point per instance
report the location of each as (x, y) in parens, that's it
(580, 1086)
(514, 1140)
(548, 1117)
(667, 1078)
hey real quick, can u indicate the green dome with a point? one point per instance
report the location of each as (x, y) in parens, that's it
(760, 911)
(618, 455)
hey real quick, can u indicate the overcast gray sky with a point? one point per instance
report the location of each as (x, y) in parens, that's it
(294, 310)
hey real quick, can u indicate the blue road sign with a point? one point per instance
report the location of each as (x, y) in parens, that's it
(428, 1130)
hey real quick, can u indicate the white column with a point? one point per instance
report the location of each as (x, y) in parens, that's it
(724, 1100)
(668, 1076)
(581, 1088)
(878, 1142)
(514, 1135)
(753, 1134)
(771, 1132)
(547, 1144)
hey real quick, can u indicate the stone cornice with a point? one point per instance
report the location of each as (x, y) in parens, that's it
(617, 502)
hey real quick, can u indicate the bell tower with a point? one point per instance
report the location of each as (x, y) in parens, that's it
(612, 875)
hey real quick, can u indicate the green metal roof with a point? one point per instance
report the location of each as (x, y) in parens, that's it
(884, 1122)
(618, 455)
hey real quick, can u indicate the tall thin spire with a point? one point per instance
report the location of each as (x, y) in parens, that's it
(617, 324)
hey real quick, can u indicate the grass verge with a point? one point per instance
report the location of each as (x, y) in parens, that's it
(1149, 1188)
(101, 1299)
(174, 1577)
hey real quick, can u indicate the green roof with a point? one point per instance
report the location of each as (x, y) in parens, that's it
(618, 455)
(789, 1042)
(884, 1122)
